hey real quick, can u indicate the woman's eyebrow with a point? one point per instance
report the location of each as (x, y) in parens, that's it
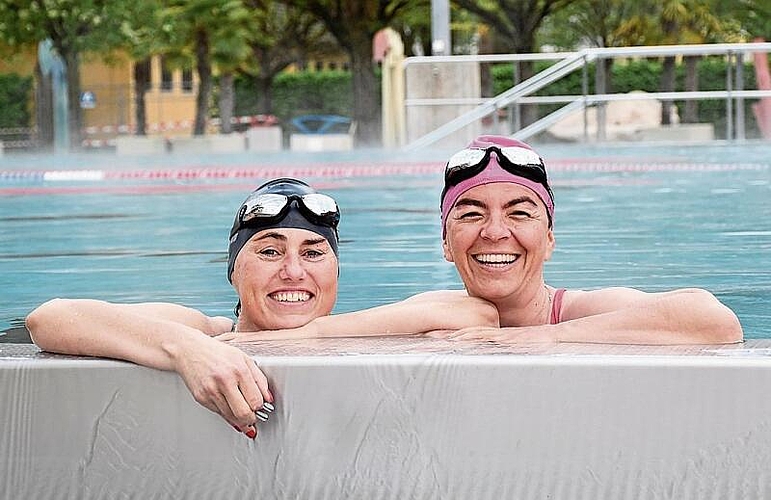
(277, 236)
(521, 199)
(314, 241)
(469, 202)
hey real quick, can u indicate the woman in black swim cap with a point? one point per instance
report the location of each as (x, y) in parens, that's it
(282, 256)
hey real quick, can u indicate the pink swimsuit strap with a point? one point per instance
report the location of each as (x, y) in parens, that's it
(556, 306)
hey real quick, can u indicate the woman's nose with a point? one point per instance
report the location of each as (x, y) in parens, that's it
(292, 268)
(495, 228)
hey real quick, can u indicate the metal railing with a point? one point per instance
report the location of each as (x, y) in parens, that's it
(522, 93)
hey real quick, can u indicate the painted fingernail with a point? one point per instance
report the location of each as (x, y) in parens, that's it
(268, 407)
(261, 415)
(251, 433)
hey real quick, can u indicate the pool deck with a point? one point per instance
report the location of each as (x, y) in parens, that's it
(400, 417)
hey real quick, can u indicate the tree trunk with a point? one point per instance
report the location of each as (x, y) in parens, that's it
(529, 112)
(44, 109)
(609, 75)
(366, 109)
(203, 67)
(75, 114)
(264, 95)
(667, 85)
(691, 111)
(227, 103)
(141, 86)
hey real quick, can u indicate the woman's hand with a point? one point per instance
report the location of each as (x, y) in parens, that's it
(508, 335)
(225, 380)
(288, 334)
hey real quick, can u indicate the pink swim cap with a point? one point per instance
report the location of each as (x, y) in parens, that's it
(492, 173)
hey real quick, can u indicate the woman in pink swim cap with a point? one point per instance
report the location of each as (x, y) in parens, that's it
(498, 229)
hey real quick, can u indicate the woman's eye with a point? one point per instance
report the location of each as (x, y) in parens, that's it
(521, 214)
(469, 215)
(269, 252)
(314, 254)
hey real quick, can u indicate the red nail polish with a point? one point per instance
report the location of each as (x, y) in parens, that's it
(251, 433)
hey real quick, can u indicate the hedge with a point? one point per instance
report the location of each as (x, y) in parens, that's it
(645, 74)
(15, 94)
(329, 92)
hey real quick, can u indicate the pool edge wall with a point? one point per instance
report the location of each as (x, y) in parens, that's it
(432, 425)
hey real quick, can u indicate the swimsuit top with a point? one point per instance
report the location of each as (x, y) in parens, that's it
(556, 306)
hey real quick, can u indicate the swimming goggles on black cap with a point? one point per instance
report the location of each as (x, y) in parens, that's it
(519, 161)
(265, 208)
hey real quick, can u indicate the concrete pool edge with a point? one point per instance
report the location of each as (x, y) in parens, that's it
(396, 418)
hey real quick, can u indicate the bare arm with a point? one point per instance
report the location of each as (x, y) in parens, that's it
(422, 313)
(629, 316)
(164, 336)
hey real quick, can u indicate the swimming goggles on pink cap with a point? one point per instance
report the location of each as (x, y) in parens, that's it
(516, 160)
(263, 208)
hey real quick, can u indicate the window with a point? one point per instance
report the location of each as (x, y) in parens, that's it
(166, 76)
(187, 80)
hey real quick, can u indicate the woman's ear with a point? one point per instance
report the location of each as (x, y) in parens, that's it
(446, 251)
(550, 244)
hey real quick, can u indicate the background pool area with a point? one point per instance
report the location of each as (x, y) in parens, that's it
(651, 218)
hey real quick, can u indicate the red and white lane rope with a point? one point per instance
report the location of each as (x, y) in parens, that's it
(338, 170)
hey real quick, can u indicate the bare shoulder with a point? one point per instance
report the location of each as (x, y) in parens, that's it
(581, 303)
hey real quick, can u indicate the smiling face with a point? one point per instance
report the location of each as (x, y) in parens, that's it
(284, 278)
(498, 237)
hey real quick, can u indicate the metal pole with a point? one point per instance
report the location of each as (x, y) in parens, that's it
(440, 28)
(740, 132)
(517, 107)
(599, 89)
(729, 132)
(585, 92)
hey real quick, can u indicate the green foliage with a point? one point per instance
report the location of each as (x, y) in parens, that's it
(645, 74)
(15, 95)
(322, 92)
(74, 26)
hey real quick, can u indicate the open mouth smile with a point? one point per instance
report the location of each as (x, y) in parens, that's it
(291, 297)
(496, 259)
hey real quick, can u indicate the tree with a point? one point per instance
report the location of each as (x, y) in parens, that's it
(593, 23)
(683, 22)
(515, 24)
(207, 32)
(73, 28)
(354, 23)
(285, 35)
(141, 42)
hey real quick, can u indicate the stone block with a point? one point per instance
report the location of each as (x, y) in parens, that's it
(264, 139)
(137, 145)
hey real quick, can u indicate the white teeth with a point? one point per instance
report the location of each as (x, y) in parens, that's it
(496, 258)
(291, 296)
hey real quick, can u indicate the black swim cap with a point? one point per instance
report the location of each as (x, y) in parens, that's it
(292, 216)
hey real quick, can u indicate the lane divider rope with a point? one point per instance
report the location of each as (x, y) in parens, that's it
(338, 170)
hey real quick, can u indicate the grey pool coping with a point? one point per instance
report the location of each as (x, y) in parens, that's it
(399, 417)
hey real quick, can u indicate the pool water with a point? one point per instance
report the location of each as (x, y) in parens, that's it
(682, 225)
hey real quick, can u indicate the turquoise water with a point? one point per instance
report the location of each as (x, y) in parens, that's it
(129, 241)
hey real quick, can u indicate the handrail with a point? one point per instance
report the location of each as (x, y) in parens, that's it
(569, 62)
(549, 120)
(532, 84)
